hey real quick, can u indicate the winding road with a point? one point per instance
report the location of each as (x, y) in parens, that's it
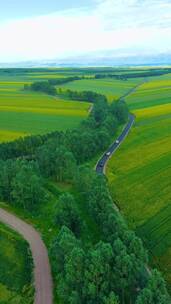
(101, 164)
(42, 272)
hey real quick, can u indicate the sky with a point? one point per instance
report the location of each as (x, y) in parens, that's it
(55, 29)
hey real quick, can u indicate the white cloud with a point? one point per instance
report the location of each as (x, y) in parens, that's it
(114, 25)
(49, 36)
(133, 13)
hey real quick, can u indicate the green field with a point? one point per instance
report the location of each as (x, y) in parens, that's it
(24, 113)
(140, 171)
(112, 88)
(152, 92)
(16, 269)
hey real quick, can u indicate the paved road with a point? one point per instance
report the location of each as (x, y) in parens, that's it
(100, 167)
(42, 271)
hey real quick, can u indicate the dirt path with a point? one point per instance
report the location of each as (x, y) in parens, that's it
(42, 271)
(134, 89)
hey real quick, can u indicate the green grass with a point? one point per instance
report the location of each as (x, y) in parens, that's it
(16, 269)
(112, 88)
(24, 113)
(139, 174)
(140, 171)
(31, 123)
(152, 93)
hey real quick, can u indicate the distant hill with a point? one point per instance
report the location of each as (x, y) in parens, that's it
(106, 58)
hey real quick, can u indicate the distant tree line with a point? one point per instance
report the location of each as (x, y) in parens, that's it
(80, 71)
(125, 76)
(109, 75)
(88, 96)
(41, 86)
(48, 86)
(58, 81)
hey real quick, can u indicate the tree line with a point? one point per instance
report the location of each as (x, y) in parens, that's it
(48, 86)
(55, 155)
(109, 264)
(114, 269)
(21, 184)
(103, 120)
(88, 96)
(126, 76)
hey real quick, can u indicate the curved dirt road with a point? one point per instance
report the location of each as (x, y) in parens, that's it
(42, 271)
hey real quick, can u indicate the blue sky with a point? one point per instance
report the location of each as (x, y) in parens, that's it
(22, 8)
(37, 30)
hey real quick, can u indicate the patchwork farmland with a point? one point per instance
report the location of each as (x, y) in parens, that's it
(112, 88)
(140, 172)
(52, 184)
(24, 113)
